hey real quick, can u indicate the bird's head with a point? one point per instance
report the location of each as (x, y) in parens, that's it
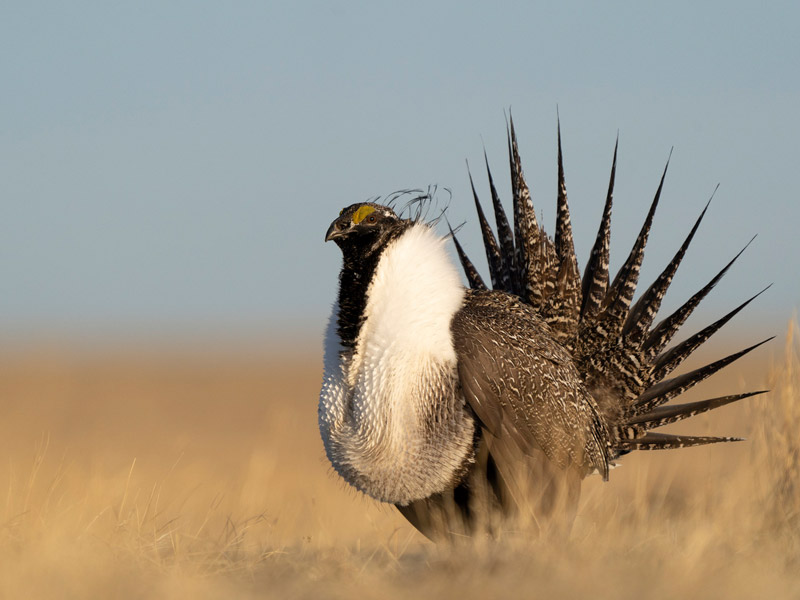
(365, 227)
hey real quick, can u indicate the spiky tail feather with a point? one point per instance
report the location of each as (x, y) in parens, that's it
(618, 351)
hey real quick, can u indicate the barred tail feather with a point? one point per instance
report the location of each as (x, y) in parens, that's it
(644, 311)
(615, 347)
(504, 234)
(666, 390)
(493, 256)
(526, 228)
(564, 308)
(620, 295)
(661, 335)
(565, 245)
(664, 441)
(668, 361)
(595, 277)
(473, 277)
(665, 415)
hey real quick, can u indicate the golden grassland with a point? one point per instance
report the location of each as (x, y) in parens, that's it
(145, 474)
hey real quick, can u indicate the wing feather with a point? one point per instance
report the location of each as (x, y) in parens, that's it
(521, 383)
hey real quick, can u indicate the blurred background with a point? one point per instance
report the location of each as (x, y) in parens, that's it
(167, 173)
(168, 170)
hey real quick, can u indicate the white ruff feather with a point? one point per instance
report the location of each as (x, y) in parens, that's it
(390, 414)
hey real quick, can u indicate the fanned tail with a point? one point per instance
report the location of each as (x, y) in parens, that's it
(620, 354)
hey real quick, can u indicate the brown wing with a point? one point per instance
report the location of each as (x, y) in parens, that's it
(523, 386)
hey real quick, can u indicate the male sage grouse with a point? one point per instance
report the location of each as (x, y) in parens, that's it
(458, 405)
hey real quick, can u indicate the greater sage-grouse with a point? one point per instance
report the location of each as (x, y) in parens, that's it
(458, 405)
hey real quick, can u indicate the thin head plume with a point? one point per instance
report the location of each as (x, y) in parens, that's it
(595, 277)
(418, 204)
(405, 196)
(453, 230)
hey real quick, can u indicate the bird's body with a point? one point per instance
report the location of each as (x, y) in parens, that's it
(380, 434)
(454, 403)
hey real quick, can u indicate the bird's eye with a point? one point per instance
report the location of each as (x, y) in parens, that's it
(371, 219)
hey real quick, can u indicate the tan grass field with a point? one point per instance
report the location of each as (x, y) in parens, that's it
(200, 474)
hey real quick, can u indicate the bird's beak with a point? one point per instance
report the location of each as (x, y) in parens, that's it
(337, 229)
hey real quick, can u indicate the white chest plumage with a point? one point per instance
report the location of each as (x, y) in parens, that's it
(391, 413)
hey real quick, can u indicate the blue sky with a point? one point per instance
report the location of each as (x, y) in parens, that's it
(172, 167)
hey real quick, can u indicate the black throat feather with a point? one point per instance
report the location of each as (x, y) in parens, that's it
(360, 260)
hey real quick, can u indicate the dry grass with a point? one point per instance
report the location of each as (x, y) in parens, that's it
(139, 475)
